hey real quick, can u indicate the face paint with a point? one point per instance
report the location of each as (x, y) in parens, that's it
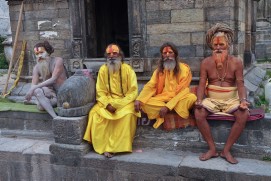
(40, 53)
(112, 51)
(168, 52)
(220, 49)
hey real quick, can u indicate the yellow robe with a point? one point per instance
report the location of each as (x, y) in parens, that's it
(175, 94)
(113, 132)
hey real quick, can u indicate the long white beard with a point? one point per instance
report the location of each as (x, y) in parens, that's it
(113, 65)
(169, 64)
(44, 69)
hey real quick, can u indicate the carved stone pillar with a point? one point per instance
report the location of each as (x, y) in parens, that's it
(137, 48)
(248, 42)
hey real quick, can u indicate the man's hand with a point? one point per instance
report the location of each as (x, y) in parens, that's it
(198, 104)
(244, 105)
(138, 105)
(110, 108)
(30, 93)
(163, 111)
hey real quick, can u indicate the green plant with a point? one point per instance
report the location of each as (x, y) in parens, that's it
(266, 158)
(3, 61)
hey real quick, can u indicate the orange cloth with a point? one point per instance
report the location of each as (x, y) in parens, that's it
(168, 90)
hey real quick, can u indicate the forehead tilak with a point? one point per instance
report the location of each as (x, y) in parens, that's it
(112, 49)
(167, 49)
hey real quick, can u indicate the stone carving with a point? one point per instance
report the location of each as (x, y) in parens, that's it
(136, 46)
(137, 64)
(77, 46)
(77, 95)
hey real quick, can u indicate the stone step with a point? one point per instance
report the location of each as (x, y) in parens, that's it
(26, 124)
(254, 142)
(28, 159)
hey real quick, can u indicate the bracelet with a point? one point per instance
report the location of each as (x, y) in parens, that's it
(243, 99)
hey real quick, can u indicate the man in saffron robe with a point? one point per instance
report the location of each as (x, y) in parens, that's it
(226, 93)
(112, 121)
(168, 88)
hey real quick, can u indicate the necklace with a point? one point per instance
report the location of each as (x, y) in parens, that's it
(222, 78)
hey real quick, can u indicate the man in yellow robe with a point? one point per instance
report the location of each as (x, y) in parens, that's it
(168, 88)
(112, 121)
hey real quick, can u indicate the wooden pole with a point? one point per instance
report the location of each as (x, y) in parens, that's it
(14, 47)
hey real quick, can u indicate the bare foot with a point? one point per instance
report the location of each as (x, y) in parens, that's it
(208, 155)
(108, 155)
(228, 157)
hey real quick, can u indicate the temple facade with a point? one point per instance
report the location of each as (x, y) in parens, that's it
(80, 30)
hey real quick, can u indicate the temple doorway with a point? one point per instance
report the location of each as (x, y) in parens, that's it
(106, 22)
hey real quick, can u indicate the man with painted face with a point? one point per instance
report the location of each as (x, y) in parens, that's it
(53, 74)
(225, 89)
(112, 121)
(168, 88)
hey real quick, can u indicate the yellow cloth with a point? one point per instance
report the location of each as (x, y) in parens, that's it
(175, 94)
(222, 100)
(113, 132)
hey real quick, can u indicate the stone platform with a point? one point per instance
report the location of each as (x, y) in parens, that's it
(28, 139)
(29, 159)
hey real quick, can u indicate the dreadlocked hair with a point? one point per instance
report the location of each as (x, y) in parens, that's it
(161, 62)
(49, 49)
(219, 27)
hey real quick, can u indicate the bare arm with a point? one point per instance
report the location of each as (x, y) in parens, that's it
(240, 85)
(202, 82)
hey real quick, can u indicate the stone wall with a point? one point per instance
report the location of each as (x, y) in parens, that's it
(185, 23)
(4, 18)
(181, 22)
(48, 20)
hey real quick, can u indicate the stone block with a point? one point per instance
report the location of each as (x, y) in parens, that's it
(252, 78)
(187, 51)
(64, 34)
(13, 124)
(63, 13)
(175, 28)
(187, 15)
(250, 86)
(179, 39)
(158, 17)
(42, 14)
(169, 4)
(68, 154)
(219, 3)
(45, 35)
(41, 125)
(200, 51)
(61, 24)
(219, 13)
(197, 38)
(44, 25)
(259, 72)
(69, 130)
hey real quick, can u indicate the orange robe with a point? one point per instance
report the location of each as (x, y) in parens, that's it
(166, 89)
(113, 132)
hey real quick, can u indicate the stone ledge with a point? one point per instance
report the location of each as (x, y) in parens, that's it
(33, 161)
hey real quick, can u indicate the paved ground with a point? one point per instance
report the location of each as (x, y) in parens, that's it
(152, 159)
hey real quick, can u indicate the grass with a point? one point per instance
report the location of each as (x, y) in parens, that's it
(3, 60)
(267, 158)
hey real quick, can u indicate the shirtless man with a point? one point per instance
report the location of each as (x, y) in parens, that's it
(226, 93)
(53, 74)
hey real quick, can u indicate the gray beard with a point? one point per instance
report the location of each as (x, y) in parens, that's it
(113, 65)
(169, 65)
(44, 69)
